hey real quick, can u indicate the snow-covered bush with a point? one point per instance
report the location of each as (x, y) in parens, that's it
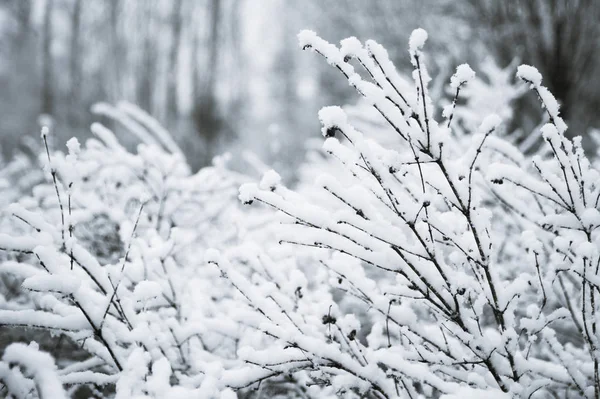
(110, 250)
(24, 369)
(492, 91)
(430, 262)
(473, 270)
(16, 177)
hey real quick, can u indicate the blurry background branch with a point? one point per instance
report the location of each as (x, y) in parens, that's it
(560, 37)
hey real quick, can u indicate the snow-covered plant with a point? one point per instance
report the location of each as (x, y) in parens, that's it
(136, 297)
(16, 177)
(25, 369)
(473, 270)
(492, 91)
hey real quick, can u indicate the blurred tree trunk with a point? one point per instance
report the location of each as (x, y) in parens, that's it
(47, 92)
(20, 77)
(23, 15)
(116, 49)
(75, 62)
(559, 37)
(147, 73)
(195, 43)
(173, 63)
(287, 64)
(236, 74)
(213, 47)
(205, 112)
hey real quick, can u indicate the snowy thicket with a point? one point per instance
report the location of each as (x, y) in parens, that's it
(427, 258)
(110, 251)
(453, 270)
(18, 176)
(24, 369)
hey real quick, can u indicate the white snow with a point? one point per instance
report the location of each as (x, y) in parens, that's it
(270, 180)
(45, 130)
(332, 117)
(146, 290)
(490, 123)
(306, 38)
(530, 74)
(417, 40)
(473, 393)
(73, 146)
(463, 74)
(38, 364)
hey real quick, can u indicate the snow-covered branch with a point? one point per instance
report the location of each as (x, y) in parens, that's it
(472, 271)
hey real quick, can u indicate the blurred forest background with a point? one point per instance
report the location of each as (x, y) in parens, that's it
(228, 74)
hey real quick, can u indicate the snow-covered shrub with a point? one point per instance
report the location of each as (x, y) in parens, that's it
(25, 369)
(16, 177)
(111, 251)
(475, 267)
(492, 91)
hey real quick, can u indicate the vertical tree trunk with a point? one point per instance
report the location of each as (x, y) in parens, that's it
(75, 64)
(24, 14)
(47, 91)
(146, 80)
(195, 44)
(205, 114)
(213, 49)
(115, 49)
(176, 24)
(237, 86)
